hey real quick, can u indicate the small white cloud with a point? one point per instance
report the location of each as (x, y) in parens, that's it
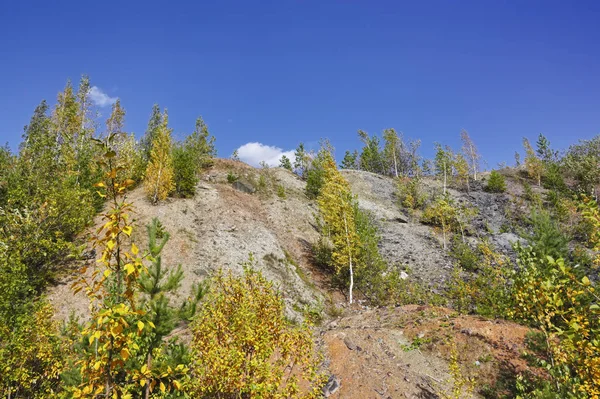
(254, 153)
(100, 98)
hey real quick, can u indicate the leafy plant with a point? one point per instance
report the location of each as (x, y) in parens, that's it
(159, 182)
(443, 215)
(244, 347)
(281, 191)
(185, 171)
(410, 194)
(496, 183)
(232, 177)
(465, 256)
(118, 328)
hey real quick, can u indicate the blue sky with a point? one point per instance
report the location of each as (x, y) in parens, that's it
(281, 72)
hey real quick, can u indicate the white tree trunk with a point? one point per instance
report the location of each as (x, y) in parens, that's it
(444, 177)
(349, 260)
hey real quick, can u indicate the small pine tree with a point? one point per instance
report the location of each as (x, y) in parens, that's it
(156, 283)
(301, 161)
(159, 183)
(496, 183)
(185, 167)
(350, 160)
(118, 329)
(285, 163)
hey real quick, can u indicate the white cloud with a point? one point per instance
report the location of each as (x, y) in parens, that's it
(254, 153)
(100, 98)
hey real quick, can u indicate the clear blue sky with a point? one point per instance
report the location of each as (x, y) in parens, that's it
(278, 72)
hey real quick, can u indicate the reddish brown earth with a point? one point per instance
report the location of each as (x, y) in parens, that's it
(404, 352)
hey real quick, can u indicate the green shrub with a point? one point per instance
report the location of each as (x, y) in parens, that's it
(185, 171)
(232, 177)
(314, 180)
(496, 183)
(464, 255)
(546, 237)
(487, 293)
(410, 194)
(281, 191)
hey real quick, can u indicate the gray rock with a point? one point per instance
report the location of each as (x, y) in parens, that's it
(349, 344)
(332, 386)
(244, 187)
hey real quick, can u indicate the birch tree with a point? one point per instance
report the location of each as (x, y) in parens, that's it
(470, 152)
(533, 164)
(159, 182)
(336, 206)
(390, 149)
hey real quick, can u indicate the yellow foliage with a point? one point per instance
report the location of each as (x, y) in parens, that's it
(243, 346)
(31, 362)
(565, 308)
(533, 164)
(116, 329)
(336, 205)
(159, 179)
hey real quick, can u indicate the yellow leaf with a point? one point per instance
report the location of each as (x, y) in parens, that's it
(125, 353)
(129, 268)
(586, 281)
(162, 387)
(140, 325)
(127, 230)
(107, 273)
(134, 249)
(110, 244)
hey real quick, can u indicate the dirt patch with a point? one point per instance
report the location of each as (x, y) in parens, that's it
(404, 352)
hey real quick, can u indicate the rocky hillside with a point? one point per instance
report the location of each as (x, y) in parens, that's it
(377, 353)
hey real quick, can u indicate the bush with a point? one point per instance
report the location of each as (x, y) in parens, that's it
(410, 194)
(315, 177)
(551, 297)
(487, 293)
(185, 171)
(496, 183)
(546, 237)
(243, 346)
(464, 255)
(281, 191)
(232, 177)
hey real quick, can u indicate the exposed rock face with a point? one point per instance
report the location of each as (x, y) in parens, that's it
(244, 187)
(225, 222)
